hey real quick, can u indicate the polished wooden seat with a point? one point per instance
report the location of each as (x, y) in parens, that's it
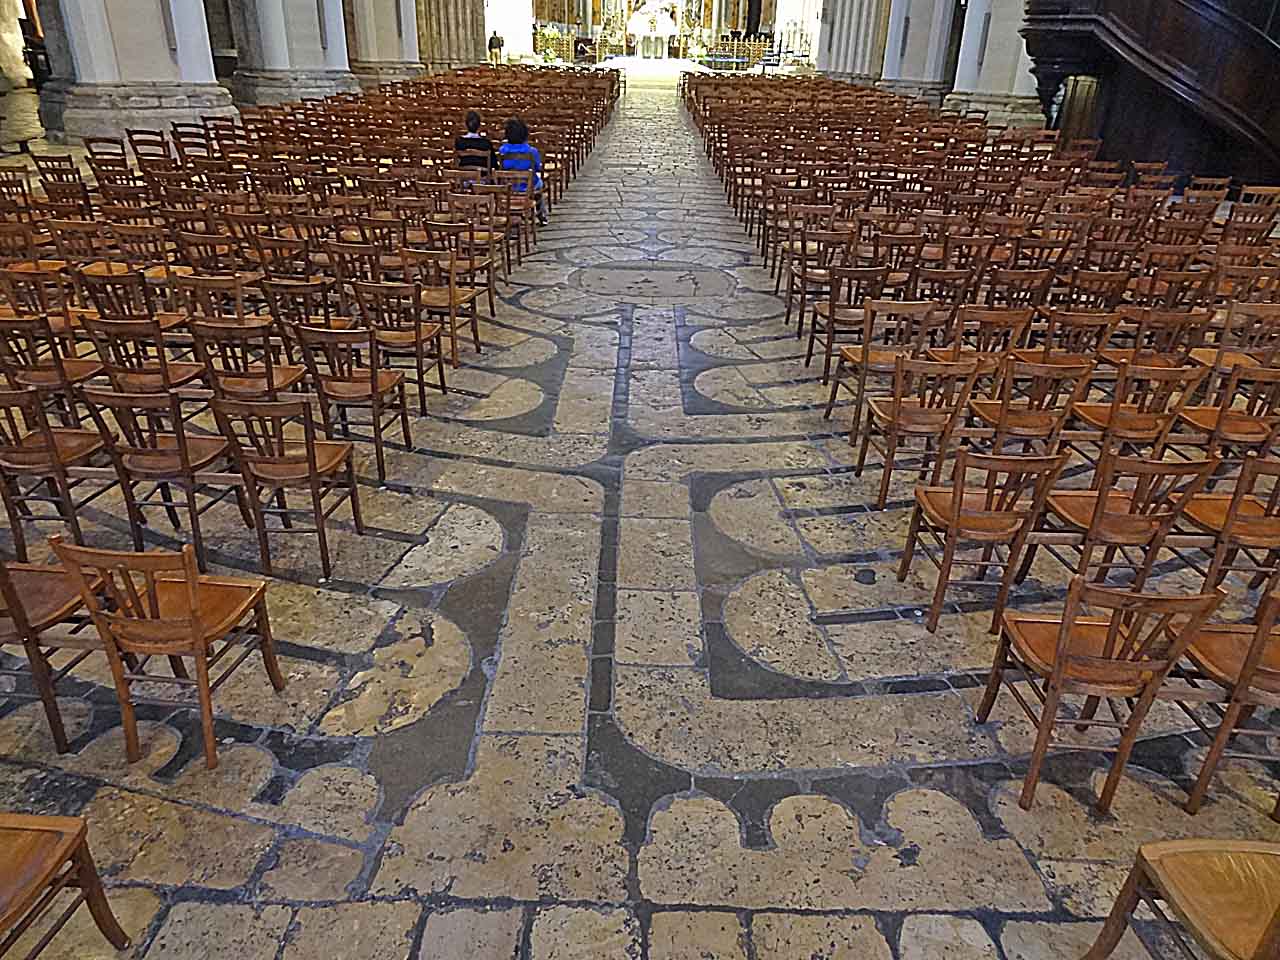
(40, 857)
(1225, 894)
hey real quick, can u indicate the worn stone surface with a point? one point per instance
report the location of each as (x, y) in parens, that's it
(311, 870)
(482, 934)
(566, 933)
(194, 931)
(361, 931)
(687, 935)
(926, 937)
(780, 936)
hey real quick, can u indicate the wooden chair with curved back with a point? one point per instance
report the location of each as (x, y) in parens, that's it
(1121, 651)
(152, 604)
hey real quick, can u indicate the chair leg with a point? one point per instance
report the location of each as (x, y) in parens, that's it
(1118, 920)
(1211, 760)
(354, 491)
(197, 538)
(1044, 734)
(1127, 739)
(317, 509)
(835, 387)
(267, 645)
(95, 898)
(134, 514)
(890, 457)
(913, 534)
(206, 711)
(260, 527)
(994, 679)
(940, 591)
(15, 518)
(404, 420)
(420, 363)
(42, 676)
(128, 718)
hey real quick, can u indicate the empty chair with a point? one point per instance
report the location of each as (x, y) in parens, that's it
(275, 447)
(1121, 651)
(991, 504)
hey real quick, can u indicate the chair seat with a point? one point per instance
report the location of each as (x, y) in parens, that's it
(1144, 358)
(355, 391)
(73, 447)
(253, 382)
(46, 375)
(988, 363)
(1119, 526)
(32, 851)
(1219, 651)
(33, 267)
(49, 595)
(165, 462)
(222, 601)
(152, 380)
(1238, 428)
(1035, 638)
(1227, 891)
(1253, 528)
(1129, 423)
(936, 502)
(911, 417)
(331, 456)
(438, 298)
(1208, 356)
(876, 360)
(161, 273)
(400, 341)
(1019, 421)
(1060, 358)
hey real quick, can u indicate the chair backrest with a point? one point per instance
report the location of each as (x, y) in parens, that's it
(125, 295)
(941, 386)
(268, 434)
(144, 432)
(1019, 288)
(26, 441)
(1048, 389)
(907, 325)
(283, 257)
(389, 306)
(27, 343)
(126, 607)
(1170, 333)
(355, 261)
(348, 355)
(1078, 333)
(132, 351)
(986, 491)
(1145, 634)
(212, 296)
(238, 357)
(292, 301)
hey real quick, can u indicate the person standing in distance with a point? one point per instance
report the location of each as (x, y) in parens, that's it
(496, 43)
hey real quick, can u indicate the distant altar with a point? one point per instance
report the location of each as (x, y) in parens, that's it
(653, 25)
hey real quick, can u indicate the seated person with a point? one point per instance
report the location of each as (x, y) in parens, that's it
(473, 139)
(517, 154)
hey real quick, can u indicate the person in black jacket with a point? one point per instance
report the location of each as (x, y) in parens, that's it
(473, 139)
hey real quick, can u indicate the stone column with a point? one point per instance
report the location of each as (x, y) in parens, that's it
(289, 49)
(898, 11)
(451, 33)
(386, 41)
(119, 66)
(994, 73)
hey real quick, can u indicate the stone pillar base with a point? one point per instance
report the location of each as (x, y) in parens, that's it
(371, 73)
(930, 91)
(108, 109)
(1003, 109)
(281, 86)
(53, 103)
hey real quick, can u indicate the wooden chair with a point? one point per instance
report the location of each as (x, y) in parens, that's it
(928, 401)
(158, 604)
(1246, 418)
(32, 356)
(135, 358)
(1232, 669)
(890, 328)
(438, 272)
(1225, 894)
(1249, 336)
(1144, 407)
(241, 359)
(34, 463)
(1122, 655)
(1031, 403)
(1131, 505)
(42, 613)
(985, 334)
(991, 502)
(274, 457)
(398, 315)
(1160, 338)
(39, 858)
(1245, 524)
(1072, 338)
(126, 294)
(149, 443)
(346, 369)
(849, 290)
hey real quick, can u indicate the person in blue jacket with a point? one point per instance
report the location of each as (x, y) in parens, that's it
(518, 154)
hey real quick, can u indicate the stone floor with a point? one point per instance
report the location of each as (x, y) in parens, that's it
(622, 669)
